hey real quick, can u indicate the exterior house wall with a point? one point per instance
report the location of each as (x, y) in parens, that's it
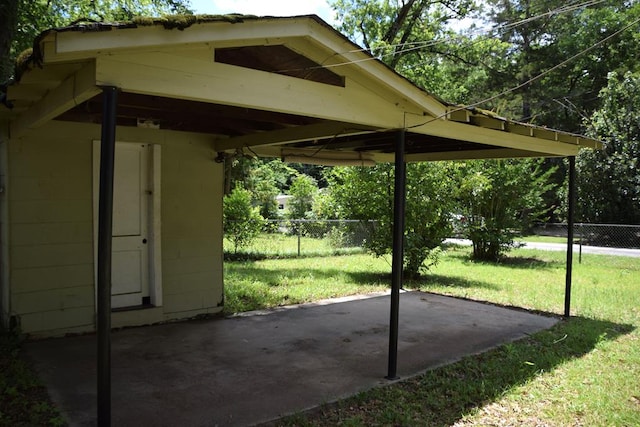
(52, 236)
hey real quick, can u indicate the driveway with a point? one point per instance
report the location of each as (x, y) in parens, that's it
(599, 250)
(260, 366)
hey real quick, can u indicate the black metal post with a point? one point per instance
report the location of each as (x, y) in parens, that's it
(570, 224)
(399, 199)
(105, 221)
(580, 240)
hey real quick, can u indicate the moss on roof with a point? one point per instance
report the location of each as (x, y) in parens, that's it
(33, 56)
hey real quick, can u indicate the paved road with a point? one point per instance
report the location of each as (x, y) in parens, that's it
(562, 247)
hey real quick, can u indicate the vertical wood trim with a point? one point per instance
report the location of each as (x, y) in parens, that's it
(155, 223)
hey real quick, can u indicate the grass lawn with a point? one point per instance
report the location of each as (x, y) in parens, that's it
(279, 245)
(542, 239)
(581, 372)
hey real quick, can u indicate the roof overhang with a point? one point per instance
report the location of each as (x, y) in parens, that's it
(274, 86)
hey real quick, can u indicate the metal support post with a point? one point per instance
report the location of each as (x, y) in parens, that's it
(399, 199)
(105, 221)
(570, 224)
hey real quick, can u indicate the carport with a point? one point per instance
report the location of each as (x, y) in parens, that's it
(292, 88)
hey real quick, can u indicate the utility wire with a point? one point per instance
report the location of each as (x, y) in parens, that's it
(537, 77)
(412, 46)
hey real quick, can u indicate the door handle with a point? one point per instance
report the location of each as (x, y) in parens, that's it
(144, 241)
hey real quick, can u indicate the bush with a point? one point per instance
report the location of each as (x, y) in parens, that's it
(242, 221)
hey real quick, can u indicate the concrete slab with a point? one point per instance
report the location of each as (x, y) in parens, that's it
(250, 369)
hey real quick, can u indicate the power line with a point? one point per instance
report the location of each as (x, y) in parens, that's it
(560, 65)
(417, 45)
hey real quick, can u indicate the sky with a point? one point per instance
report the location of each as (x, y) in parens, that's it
(266, 8)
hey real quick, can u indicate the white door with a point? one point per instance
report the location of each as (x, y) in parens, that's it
(130, 257)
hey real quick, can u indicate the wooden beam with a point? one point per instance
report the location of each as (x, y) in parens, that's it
(74, 90)
(317, 156)
(488, 122)
(164, 75)
(459, 114)
(74, 44)
(351, 54)
(483, 135)
(497, 153)
(290, 135)
(342, 66)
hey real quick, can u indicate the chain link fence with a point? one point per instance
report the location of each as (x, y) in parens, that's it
(302, 237)
(603, 235)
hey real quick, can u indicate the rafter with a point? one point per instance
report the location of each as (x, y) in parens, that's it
(75, 89)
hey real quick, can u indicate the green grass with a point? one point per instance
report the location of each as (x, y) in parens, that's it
(581, 372)
(23, 399)
(252, 285)
(278, 245)
(542, 239)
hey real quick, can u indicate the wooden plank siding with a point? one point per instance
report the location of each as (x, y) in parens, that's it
(51, 245)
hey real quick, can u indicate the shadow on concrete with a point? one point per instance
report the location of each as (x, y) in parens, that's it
(443, 396)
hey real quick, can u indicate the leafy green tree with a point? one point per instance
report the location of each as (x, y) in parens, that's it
(262, 183)
(608, 181)
(414, 38)
(22, 20)
(304, 190)
(324, 205)
(542, 34)
(366, 194)
(497, 200)
(242, 221)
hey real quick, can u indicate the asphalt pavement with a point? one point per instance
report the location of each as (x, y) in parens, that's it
(598, 250)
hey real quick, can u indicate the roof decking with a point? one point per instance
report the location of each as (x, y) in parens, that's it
(275, 86)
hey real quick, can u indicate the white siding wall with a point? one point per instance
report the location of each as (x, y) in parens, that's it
(52, 271)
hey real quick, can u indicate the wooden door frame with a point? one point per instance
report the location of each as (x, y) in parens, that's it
(154, 219)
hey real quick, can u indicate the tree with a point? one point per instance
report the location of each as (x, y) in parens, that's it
(22, 20)
(242, 222)
(414, 38)
(543, 34)
(8, 25)
(366, 194)
(303, 189)
(266, 179)
(608, 181)
(498, 199)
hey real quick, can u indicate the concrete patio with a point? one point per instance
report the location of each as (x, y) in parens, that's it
(260, 366)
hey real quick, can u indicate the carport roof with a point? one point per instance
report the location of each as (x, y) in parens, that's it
(290, 87)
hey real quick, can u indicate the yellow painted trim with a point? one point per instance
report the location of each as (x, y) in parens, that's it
(251, 31)
(164, 75)
(498, 153)
(488, 122)
(155, 224)
(482, 135)
(375, 69)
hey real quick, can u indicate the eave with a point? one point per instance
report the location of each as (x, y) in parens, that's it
(252, 85)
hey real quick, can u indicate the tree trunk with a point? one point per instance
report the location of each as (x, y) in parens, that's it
(8, 23)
